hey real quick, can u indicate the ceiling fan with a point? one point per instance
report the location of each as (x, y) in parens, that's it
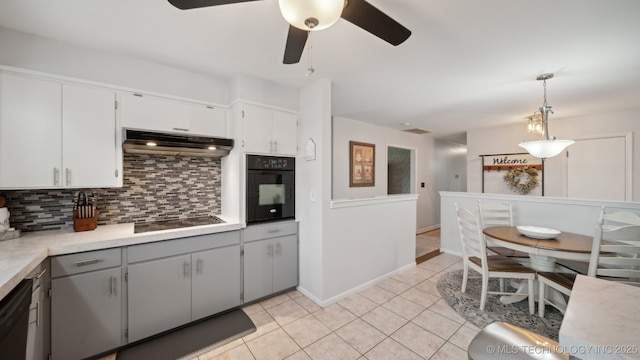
(310, 15)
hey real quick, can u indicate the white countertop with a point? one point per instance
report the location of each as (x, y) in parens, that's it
(18, 257)
(602, 320)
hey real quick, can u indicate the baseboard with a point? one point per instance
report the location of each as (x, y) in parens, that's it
(335, 299)
(428, 228)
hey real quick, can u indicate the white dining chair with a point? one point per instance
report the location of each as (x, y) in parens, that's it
(615, 256)
(474, 256)
(498, 213)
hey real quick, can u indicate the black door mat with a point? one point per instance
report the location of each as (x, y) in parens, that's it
(193, 339)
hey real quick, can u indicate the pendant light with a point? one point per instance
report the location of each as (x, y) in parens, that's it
(547, 147)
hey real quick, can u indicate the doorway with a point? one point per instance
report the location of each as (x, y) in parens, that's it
(400, 171)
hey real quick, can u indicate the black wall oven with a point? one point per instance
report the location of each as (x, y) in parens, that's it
(270, 188)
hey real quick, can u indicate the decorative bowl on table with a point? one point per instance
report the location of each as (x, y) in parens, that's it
(536, 232)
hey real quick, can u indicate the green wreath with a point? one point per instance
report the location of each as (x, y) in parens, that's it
(517, 182)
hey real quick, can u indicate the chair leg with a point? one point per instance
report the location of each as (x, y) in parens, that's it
(532, 300)
(465, 275)
(483, 294)
(541, 295)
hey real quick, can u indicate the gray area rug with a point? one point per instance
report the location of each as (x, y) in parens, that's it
(192, 340)
(468, 305)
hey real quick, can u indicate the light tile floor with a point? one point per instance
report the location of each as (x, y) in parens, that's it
(402, 317)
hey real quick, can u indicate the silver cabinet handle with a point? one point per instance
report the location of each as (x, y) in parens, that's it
(88, 262)
(39, 275)
(272, 230)
(56, 176)
(68, 176)
(271, 146)
(270, 250)
(278, 249)
(276, 145)
(114, 286)
(187, 268)
(180, 129)
(199, 266)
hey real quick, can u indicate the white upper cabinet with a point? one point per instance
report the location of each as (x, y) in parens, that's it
(148, 112)
(30, 132)
(269, 131)
(54, 134)
(89, 146)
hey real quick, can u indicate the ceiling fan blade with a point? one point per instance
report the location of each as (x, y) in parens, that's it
(296, 39)
(193, 4)
(369, 18)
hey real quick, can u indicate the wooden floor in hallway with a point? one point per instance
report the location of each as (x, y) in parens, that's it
(427, 245)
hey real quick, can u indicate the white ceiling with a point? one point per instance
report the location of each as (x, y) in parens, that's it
(468, 64)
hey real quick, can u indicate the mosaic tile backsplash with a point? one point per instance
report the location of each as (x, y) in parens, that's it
(155, 187)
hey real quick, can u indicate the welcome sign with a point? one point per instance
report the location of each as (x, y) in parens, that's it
(512, 174)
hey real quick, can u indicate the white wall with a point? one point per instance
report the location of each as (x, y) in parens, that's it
(345, 130)
(253, 90)
(314, 176)
(39, 54)
(451, 170)
(506, 140)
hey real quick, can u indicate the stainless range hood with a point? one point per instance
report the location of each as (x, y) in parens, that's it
(149, 142)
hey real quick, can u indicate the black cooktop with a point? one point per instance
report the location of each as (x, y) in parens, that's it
(176, 223)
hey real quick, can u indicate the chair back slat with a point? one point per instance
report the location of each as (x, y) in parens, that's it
(616, 247)
(472, 239)
(495, 213)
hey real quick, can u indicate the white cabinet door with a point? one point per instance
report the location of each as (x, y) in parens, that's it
(269, 131)
(159, 296)
(215, 284)
(285, 133)
(89, 137)
(148, 112)
(86, 313)
(258, 127)
(30, 132)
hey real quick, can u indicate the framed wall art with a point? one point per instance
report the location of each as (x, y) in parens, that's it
(362, 161)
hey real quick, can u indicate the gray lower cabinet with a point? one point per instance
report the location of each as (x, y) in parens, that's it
(159, 294)
(270, 259)
(86, 304)
(166, 290)
(215, 284)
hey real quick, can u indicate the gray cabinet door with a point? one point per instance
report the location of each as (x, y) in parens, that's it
(285, 262)
(85, 314)
(258, 269)
(159, 296)
(215, 284)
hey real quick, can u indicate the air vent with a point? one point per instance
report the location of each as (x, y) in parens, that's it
(417, 131)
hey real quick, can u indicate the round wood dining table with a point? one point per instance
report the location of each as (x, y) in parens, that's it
(542, 252)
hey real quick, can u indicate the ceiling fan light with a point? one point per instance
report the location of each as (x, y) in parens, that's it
(545, 149)
(297, 12)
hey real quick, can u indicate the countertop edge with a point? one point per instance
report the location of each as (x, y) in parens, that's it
(18, 257)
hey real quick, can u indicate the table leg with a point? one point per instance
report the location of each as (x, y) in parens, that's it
(539, 263)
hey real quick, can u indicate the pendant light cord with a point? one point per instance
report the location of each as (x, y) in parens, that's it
(310, 69)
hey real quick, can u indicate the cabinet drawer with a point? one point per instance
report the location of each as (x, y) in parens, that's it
(270, 230)
(86, 261)
(187, 245)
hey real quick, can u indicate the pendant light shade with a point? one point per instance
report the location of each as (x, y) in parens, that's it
(311, 14)
(545, 147)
